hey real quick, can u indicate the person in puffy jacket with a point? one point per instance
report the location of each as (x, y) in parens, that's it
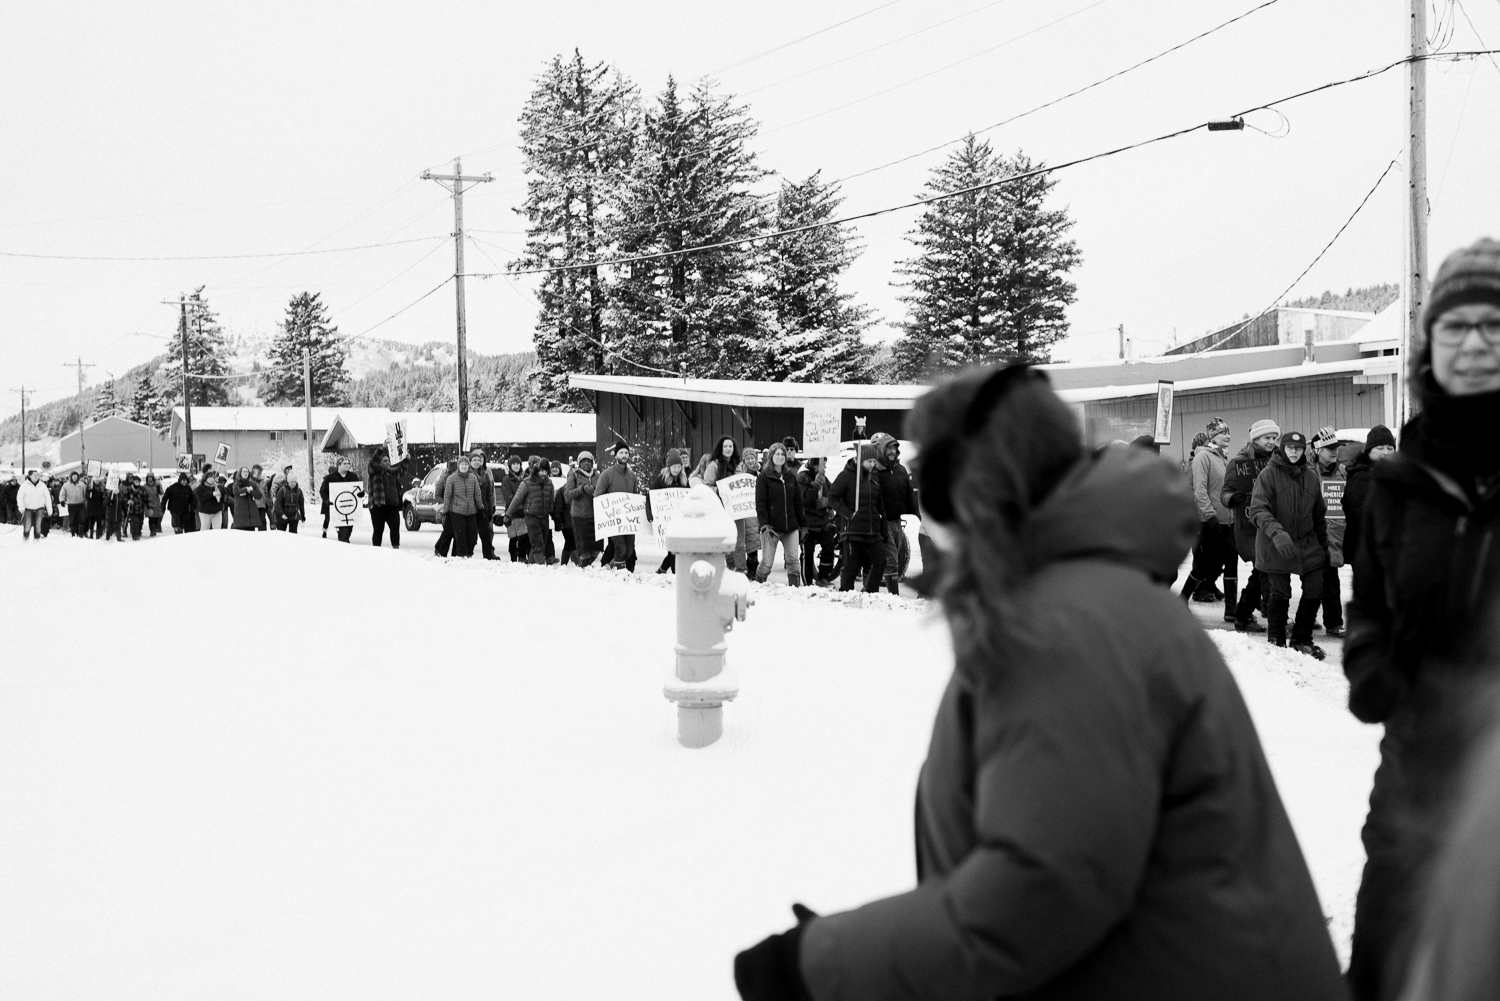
(674, 474)
(579, 493)
(820, 540)
(485, 519)
(244, 491)
(506, 487)
(1379, 444)
(153, 491)
(1215, 553)
(1239, 486)
(1426, 590)
(290, 505)
(211, 502)
(778, 508)
(181, 505)
(35, 502)
(445, 537)
(618, 479)
(1291, 538)
(463, 500)
(343, 472)
(1095, 818)
(856, 497)
(532, 505)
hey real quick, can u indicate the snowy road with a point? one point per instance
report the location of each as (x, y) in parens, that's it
(260, 766)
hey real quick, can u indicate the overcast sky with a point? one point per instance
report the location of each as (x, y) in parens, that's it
(193, 129)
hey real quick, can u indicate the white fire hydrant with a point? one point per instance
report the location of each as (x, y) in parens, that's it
(709, 600)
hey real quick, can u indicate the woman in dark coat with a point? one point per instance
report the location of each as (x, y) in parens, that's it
(181, 505)
(1095, 818)
(1289, 514)
(1427, 576)
(244, 492)
(532, 505)
(1379, 444)
(341, 473)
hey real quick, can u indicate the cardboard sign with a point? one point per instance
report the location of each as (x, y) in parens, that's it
(665, 504)
(95, 469)
(343, 503)
(738, 494)
(112, 484)
(395, 442)
(822, 429)
(221, 455)
(1333, 496)
(619, 514)
(1163, 433)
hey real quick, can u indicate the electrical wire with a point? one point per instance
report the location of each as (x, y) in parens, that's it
(1058, 100)
(1472, 27)
(798, 41)
(1395, 161)
(1369, 74)
(219, 257)
(388, 319)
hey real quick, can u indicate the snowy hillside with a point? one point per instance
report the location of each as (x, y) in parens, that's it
(383, 775)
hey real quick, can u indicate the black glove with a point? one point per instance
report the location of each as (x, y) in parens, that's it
(768, 971)
(1284, 545)
(1213, 522)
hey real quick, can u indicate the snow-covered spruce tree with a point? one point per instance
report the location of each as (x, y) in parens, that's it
(689, 186)
(815, 332)
(989, 282)
(147, 407)
(577, 134)
(207, 356)
(307, 326)
(106, 404)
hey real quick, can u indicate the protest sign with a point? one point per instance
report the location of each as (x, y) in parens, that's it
(221, 455)
(618, 514)
(738, 494)
(112, 483)
(395, 442)
(822, 427)
(95, 468)
(343, 503)
(1163, 435)
(665, 504)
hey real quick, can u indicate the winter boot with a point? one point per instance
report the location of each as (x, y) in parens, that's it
(1230, 589)
(1309, 649)
(893, 585)
(1190, 586)
(1334, 632)
(794, 578)
(1249, 626)
(752, 565)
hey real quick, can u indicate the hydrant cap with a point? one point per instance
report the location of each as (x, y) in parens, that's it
(702, 525)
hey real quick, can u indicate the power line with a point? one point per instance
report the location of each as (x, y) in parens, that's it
(388, 319)
(798, 41)
(1287, 291)
(220, 257)
(1059, 100)
(1369, 74)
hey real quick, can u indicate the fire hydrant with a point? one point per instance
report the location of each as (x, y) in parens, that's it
(709, 600)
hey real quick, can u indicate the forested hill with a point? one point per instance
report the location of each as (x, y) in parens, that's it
(1369, 299)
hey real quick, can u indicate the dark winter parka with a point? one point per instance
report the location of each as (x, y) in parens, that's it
(289, 503)
(243, 495)
(778, 501)
(180, 501)
(96, 500)
(383, 482)
(207, 502)
(859, 504)
(814, 489)
(152, 489)
(1288, 503)
(896, 494)
(1239, 486)
(533, 498)
(1356, 489)
(334, 476)
(1095, 818)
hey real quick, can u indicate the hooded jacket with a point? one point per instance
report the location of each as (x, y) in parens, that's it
(180, 500)
(152, 489)
(289, 503)
(1209, 466)
(534, 497)
(579, 489)
(207, 503)
(814, 488)
(778, 501)
(1095, 818)
(73, 492)
(1356, 488)
(1239, 487)
(859, 503)
(245, 500)
(896, 494)
(334, 476)
(1288, 501)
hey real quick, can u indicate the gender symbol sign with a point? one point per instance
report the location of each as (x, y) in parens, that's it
(343, 501)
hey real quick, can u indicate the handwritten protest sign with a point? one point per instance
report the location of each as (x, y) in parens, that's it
(95, 469)
(738, 494)
(822, 427)
(395, 442)
(619, 514)
(665, 504)
(343, 504)
(1163, 433)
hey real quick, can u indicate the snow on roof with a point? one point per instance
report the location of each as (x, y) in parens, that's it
(1389, 325)
(1307, 370)
(744, 393)
(264, 418)
(108, 423)
(353, 428)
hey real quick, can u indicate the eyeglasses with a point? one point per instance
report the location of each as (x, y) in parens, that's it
(1452, 333)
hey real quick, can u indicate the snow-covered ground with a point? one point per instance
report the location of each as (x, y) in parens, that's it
(259, 766)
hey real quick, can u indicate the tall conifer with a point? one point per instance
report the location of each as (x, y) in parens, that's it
(307, 326)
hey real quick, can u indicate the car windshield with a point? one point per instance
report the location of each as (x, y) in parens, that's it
(432, 477)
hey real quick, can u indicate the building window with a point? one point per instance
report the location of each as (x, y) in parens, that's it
(275, 435)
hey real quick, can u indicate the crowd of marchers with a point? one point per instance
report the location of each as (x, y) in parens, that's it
(1096, 817)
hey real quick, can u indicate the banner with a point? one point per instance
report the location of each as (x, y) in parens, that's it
(619, 514)
(665, 504)
(738, 494)
(822, 429)
(1163, 434)
(221, 455)
(343, 503)
(395, 442)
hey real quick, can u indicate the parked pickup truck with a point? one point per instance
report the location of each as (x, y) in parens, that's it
(419, 504)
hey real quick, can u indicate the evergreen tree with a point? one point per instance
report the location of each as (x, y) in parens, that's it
(147, 406)
(577, 134)
(307, 327)
(689, 186)
(989, 282)
(207, 356)
(105, 403)
(816, 328)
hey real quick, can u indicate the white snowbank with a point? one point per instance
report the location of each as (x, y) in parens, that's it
(368, 774)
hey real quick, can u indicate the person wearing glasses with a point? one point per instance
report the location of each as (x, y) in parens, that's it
(1425, 582)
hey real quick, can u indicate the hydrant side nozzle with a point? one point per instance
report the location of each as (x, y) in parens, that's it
(702, 574)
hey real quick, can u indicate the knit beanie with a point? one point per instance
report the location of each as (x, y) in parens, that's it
(1379, 435)
(1261, 427)
(1471, 274)
(1216, 427)
(1199, 440)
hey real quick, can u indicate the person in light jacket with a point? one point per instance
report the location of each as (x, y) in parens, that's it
(1215, 553)
(35, 502)
(618, 479)
(75, 498)
(462, 502)
(578, 490)
(1095, 818)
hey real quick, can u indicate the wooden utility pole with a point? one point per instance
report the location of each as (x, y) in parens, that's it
(1416, 183)
(23, 391)
(187, 402)
(307, 408)
(80, 365)
(1122, 342)
(454, 182)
